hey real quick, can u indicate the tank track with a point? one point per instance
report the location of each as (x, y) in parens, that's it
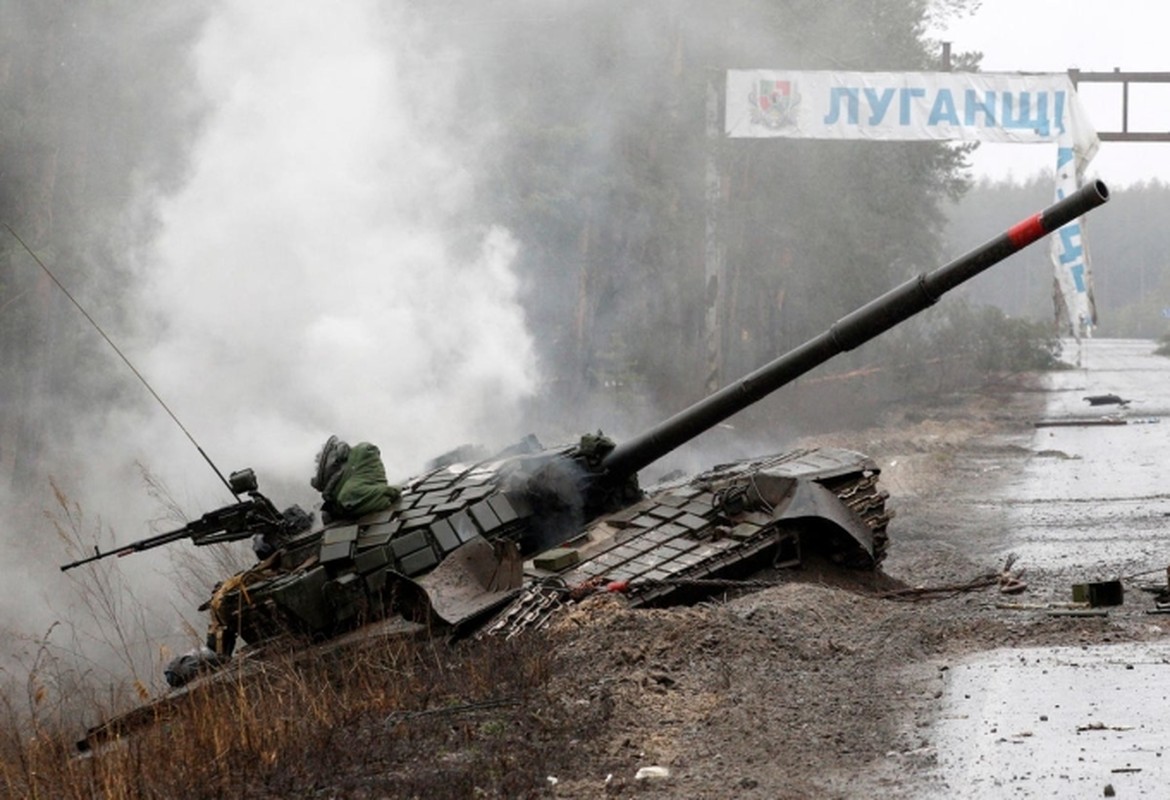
(860, 493)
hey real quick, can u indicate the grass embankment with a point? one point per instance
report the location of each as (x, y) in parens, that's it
(394, 718)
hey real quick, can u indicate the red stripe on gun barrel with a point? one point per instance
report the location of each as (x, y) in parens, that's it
(1024, 233)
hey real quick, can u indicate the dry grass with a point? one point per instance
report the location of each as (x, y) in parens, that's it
(388, 717)
(399, 718)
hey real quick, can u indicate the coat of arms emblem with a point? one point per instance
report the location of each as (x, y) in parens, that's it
(774, 103)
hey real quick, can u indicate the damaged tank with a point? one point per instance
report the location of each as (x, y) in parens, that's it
(495, 544)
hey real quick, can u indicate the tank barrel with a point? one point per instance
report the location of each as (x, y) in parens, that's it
(852, 330)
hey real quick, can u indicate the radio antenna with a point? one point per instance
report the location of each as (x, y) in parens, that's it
(122, 356)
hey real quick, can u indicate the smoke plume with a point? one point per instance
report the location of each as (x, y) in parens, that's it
(317, 271)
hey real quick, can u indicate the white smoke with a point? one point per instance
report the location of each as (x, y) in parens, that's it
(320, 271)
(316, 275)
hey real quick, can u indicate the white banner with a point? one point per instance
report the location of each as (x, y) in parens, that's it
(940, 106)
(1068, 247)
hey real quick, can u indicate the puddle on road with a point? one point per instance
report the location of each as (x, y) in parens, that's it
(1057, 722)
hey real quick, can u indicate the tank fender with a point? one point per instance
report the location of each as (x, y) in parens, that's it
(477, 577)
(811, 500)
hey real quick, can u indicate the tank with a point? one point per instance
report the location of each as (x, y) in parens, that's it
(495, 544)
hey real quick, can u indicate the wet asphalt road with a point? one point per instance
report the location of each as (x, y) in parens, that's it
(1090, 504)
(1097, 496)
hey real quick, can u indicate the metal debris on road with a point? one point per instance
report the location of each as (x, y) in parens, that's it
(1106, 400)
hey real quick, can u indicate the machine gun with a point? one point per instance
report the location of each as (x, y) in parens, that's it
(231, 523)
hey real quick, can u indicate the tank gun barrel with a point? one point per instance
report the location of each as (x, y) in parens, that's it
(852, 330)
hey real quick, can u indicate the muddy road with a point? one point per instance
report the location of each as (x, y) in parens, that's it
(825, 686)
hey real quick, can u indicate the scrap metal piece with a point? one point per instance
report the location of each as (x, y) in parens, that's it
(1106, 400)
(1099, 593)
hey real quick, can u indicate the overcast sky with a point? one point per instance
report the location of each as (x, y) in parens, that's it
(1090, 35)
